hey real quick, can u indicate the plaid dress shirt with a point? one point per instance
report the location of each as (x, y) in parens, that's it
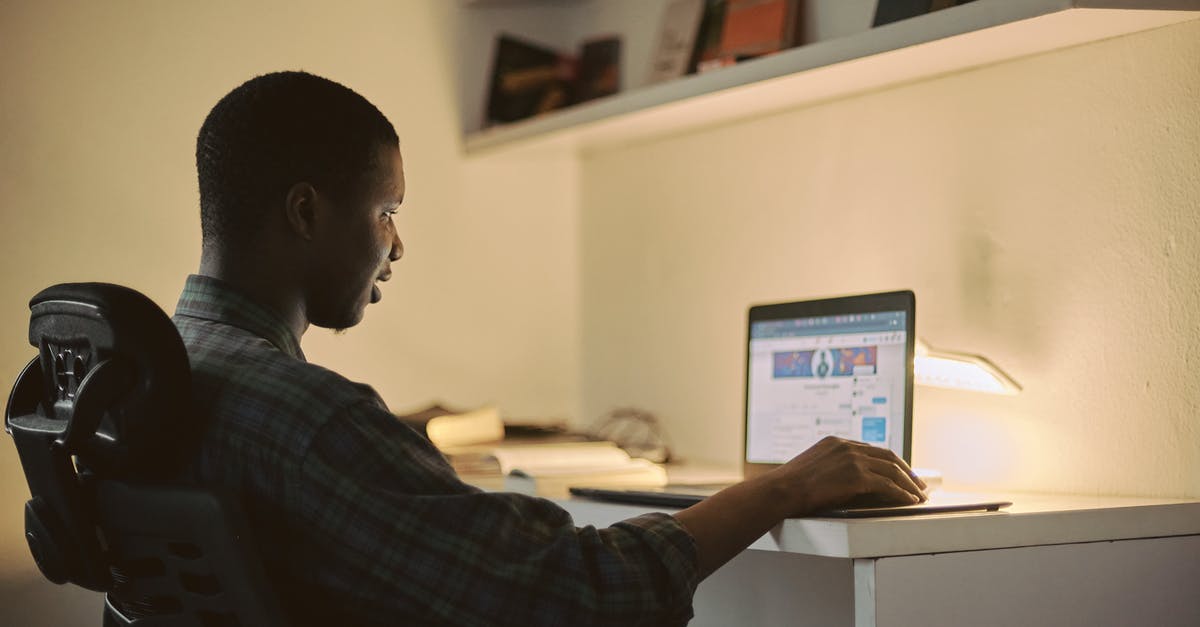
(359, 519)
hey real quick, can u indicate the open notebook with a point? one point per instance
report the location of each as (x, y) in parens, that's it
(836, 366)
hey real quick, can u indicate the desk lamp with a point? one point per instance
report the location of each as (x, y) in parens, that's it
(960, 371)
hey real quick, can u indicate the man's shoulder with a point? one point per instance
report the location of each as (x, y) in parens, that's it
(238, 376)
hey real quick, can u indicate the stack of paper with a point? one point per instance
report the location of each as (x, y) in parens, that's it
(549, 469)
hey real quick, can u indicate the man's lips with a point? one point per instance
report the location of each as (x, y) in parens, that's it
(376, 295)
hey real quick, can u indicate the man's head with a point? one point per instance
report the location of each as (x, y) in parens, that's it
(307, 171)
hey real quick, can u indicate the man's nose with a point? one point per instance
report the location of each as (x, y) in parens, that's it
(397, 248)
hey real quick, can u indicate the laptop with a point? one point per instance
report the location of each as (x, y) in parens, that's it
(835, 366)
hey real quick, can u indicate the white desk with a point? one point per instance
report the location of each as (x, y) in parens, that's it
(1047, 560)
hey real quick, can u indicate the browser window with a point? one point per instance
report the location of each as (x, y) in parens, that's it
(828, 375)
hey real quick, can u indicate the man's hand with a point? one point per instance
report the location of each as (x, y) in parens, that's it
(832, 473)
(836, 472)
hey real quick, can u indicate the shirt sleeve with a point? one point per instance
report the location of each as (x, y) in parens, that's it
(399, 538)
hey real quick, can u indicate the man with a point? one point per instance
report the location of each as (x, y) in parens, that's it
(360, 519)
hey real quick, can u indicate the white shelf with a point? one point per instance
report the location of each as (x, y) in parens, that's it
(970, 35)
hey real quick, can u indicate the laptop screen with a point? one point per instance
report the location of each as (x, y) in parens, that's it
(845, 373)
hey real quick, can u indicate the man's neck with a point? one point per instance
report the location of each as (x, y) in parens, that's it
(259, 282)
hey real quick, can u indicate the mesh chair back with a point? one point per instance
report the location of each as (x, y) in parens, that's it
(102, 421)
(192, 562)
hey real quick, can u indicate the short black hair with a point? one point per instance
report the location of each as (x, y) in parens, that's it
(272, 132)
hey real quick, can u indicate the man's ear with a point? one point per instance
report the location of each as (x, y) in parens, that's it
(300, 208)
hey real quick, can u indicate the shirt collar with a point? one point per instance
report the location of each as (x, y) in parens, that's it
(212, 299)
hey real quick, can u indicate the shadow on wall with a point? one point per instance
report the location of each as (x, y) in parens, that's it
(28, 600)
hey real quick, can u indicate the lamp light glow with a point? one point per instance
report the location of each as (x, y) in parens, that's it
(960, 371)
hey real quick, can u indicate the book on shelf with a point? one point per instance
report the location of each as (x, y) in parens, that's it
(740, 30)
(888, 11)
(754, 28)
(598, 72)
(529, 78)
(707, 47)
(676, 39)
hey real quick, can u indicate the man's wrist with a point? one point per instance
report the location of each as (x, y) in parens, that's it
(782, 496)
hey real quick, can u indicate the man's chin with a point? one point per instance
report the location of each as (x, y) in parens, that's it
(340, 324)
(341, 318)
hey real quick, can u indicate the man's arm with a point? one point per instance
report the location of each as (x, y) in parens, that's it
(389, 533)
(827, 475)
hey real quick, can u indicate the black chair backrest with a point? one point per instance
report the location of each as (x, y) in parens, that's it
(103, 425)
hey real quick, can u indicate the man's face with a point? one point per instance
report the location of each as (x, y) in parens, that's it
(354, 243)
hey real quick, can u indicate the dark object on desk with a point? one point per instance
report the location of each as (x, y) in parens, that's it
(681, 496)
(532, 430)
(100, 418)
(678, 496)
(527, 79)
(637, 431)
(889, 11)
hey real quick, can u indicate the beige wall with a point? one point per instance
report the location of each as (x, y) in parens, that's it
(1043, 209)
(99, 106)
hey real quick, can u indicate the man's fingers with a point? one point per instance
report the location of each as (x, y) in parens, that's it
(848, 469)
(895, 476)
(880, 453)
(891, 492)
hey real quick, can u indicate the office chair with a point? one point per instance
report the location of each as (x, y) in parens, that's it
(102, 423)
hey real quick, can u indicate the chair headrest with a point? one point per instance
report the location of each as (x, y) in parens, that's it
(110, 352)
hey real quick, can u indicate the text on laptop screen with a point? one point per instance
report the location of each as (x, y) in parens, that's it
(838, 375)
